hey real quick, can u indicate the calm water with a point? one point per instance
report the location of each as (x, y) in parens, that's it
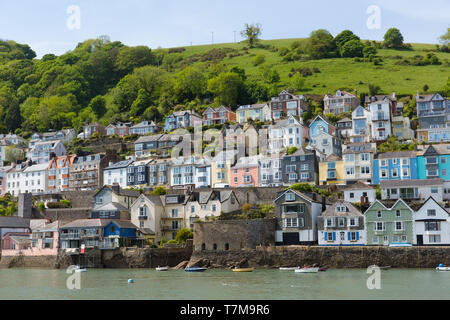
(224, 284)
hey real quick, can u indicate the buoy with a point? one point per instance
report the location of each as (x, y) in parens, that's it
(130, 281)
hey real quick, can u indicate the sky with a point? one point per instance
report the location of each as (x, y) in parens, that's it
(48, 26)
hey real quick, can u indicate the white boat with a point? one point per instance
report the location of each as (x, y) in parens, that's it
(307, 270)
(443, 268)
(80, 269)
(289, 268)
(162, 269)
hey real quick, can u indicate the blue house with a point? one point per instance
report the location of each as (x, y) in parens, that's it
(400, 165)
(182, 119)
(119, 233)
(320, 124)
(434, 162)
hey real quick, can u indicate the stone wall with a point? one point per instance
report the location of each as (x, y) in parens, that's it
(28, 261)
(332, 257)
(66, 215)
(234, 234)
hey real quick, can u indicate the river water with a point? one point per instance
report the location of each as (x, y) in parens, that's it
(223, 284)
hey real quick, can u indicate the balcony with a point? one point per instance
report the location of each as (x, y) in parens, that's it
(427, 113)
(170, 228)
(143, 218)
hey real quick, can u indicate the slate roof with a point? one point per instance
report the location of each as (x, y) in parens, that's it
(411, 183)
(351, 210)
(150, 138)
(252, 106)
(111, 206)
(120, 164)
(397, 154)
(13, 222)
(359, 185)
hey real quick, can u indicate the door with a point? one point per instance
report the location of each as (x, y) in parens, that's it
(420, 240)
(291, 238)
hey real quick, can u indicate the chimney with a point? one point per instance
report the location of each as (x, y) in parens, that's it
(418, 95)
(115, 188)
(393, 94)
(324, 204)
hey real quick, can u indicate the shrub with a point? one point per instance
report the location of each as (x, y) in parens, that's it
(183, 234)
(171, 241)
(291, 150)
(259, 59)
(159, 191)
(41, 206)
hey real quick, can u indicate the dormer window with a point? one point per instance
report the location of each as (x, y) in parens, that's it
(290, 196)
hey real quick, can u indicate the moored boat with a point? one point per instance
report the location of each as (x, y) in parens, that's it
(307, 270)
(323, 269)
(162, 269)
(288, 268)
(243, 269)
(441, 267)
(80, 269)
(195, 269)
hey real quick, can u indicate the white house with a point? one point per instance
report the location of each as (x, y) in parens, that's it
(355, 192)
(13, 180)
(412, 189)
(431, 224)
(287, 133)
(341, 225)
(34, 179)
(117, 173)
(381, 120)
(40, 152)
(361, 125)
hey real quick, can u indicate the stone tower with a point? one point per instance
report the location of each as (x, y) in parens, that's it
(25, 205)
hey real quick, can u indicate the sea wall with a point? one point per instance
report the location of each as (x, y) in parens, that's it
(331, 257)
(21, 261)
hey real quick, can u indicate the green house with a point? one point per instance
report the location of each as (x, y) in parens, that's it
(389, 226)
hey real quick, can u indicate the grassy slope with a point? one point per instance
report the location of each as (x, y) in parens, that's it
(343, 72)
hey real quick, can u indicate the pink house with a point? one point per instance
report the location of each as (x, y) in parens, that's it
(245, 173)
(43, 241)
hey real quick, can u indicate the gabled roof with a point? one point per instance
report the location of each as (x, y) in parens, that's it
(346, 119)
(298, 193)
(120, 164)
(333, 157)
(359, 185)
(252, 106)
(325, 119)
(431, 199)
(397, 154)
(428, 97)
(351, 210)
(386, 208)
(87, 223)
(111, 206)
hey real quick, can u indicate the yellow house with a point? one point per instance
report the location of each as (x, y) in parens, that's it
(220, 168)
(332, 171)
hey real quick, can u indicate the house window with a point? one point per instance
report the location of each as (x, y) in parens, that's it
(431, 212)
(290, 196)
(436, 238)
(395, 173)
(398, 213)
(375, 240)
(383, 173)
(434, 190)
(290, 223)
(174, 213)
(379, 214)
(383, 163)
(432, 226)
(352, 195)
(352, 222)
(398, 225)
(379, 226)
(432, 160)
(330, 222)
(341, 222)
(330, 236)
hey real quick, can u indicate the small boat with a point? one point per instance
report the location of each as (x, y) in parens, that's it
(385, 268)
(243, 269)
(307, 270)
(323, 269)
(80, 269)
(162, 269)
(441, 267)
(289, 268)
(195, 269)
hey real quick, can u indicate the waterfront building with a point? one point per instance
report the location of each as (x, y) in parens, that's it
(433, 111)
(119, 129)
(400, 165)
(340, 102)
(296, 213)
(14, 181)
(159, 172)
(146, 212)
(358, 159)
(15, 242)
(96, 233)
(300, 167)
(355, 193)
(389, 226)
(173, 216)
(13, 224)
(332, 171)
(203, 205)
(218, 115)
(245, 172)
(431, 224)
(58, 172)
(433, 161)
(342, 224)
(117, 173)
(42, 151)
(286, 104)
(412, 189)
(182, 119)
(256, 112)
(144, 128)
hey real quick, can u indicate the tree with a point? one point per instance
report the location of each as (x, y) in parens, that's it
(320, 45)
(159, 191)
(352, 48)
(393, 38)
(190, 83)
(445, 38)
(13, 154)
(251, 33)
(344, 37)
(141, 103)
(183, 235)
(130, 58)
(373, 89)
(298, 82)
(425, 88)
(259, 59)
(226, 87)
(369, 51)
(291, 150)
(98, 106)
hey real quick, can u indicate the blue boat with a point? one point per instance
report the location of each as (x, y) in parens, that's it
(195, 269)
